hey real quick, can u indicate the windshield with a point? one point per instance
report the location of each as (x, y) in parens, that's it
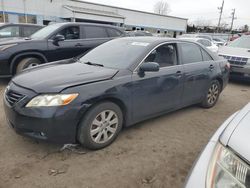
(242, 42)
(118, 54)
(45, 32)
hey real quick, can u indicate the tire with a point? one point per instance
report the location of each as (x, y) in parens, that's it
(104, 130)
(212, 94)
(27, 63)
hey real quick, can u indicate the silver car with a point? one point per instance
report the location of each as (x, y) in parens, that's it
(238, 55)
(225, 161)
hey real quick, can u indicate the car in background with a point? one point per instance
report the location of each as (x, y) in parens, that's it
(224, 162)
(237, 53)
(235, 36)
(117, 84)
(205, 42)
(219, 41)
(9, 30)
(138, 33)
(52, 43)
(197, 35)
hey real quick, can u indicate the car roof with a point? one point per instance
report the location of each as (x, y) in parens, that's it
(20, 24)
(90, 24)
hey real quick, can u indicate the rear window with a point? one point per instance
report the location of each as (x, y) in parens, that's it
(95, 32)
(9, 31)
(191, 53)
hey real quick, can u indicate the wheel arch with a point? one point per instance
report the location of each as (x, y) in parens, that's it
(95, 102)
(17, 58)
(220, 80)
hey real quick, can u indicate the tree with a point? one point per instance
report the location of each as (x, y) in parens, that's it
(162, 7)
(245, 28)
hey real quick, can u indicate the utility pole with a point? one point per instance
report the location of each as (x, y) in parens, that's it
(24, 10)
(2, 3)
(221, 11)
(233, 18)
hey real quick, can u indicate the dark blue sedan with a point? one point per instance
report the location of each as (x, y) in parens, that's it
(124, 81)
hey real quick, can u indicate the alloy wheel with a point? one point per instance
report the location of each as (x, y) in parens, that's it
(213, 94)
(104, 126)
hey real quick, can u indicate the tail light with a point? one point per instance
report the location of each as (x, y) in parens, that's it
(228, 66)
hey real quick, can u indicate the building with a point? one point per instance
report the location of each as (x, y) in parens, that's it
(45, 11)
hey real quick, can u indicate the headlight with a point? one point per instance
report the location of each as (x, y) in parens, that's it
(52, 100)
(4, 47)
(227, 170)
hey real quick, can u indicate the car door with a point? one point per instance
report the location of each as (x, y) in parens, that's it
(198, 68)
(68, 48)
(161, 91)
(93, 36)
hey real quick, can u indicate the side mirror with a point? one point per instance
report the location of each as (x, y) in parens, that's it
(149, 67)
(57, 39)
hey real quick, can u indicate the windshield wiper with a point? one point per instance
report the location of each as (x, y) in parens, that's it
(94, 64)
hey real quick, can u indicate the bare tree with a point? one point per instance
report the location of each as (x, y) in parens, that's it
(162, 7)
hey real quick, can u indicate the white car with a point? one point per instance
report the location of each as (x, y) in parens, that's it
(205, 42)
(224, 162)
(237, 53)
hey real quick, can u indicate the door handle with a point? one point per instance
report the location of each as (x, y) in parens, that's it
(178, 74)
(211, 67)
(79, 45)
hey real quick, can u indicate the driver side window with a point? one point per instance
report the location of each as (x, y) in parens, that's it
(165, 55)
(70, 33)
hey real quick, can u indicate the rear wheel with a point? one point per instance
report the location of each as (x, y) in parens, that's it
(27, 63)
(212, 95)
(100, 126)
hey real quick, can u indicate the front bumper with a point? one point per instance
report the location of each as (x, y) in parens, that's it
(242, 73)
(53, 124)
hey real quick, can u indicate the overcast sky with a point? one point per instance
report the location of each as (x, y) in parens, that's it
(193, 9)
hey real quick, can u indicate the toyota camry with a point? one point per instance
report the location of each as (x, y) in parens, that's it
(117, 84)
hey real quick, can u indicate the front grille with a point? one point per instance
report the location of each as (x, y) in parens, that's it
(13, 97)
(236, 60)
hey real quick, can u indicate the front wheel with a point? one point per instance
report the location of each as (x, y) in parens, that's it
(212, 94)
(27, 63)
(100, 126)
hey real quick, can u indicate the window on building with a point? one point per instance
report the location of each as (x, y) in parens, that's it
(191, 53)
(6, 17)
(164, 55)
(30, 19)
(95, 32)
(11, 31)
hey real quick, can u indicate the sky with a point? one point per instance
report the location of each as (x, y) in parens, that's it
(197, 11)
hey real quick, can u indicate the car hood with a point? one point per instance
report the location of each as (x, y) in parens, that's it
(54, 77)
(233, 51)
(237, 134)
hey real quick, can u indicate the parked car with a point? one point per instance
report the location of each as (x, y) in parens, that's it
(9, 30)
(138, 33)
(117, 84)
(197, 35)
(237, 53)
(219, 41)
(52, 43)
(224, 162)
(205, 42)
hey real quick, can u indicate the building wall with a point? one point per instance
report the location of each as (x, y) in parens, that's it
(53, 10)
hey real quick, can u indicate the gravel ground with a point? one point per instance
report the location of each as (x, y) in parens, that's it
(155, 153)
